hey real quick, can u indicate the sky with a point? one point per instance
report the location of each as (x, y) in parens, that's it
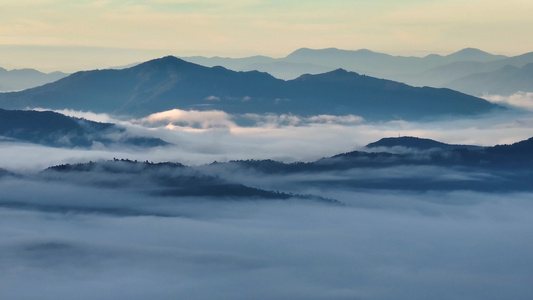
(72, 35)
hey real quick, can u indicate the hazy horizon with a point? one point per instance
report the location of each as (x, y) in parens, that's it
(67, 59)
(59, 35)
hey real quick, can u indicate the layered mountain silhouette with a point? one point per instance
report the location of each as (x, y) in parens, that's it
(161, 179)
(505, 81)
(439, 166)
(518, 155)
(57, 130)
(501, 168)
(168, 83)
(21, 79)
(365, 61)
(442, 75)
(431, 70)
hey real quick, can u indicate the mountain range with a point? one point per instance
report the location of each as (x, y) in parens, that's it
(410, 142)
(431, 70)
(421, 151)
(57, 130)
(429, 165)
(21, 79)
(439, 167)
(469, 70)
(504, 81)
(362, 61)
(166, 179)
(169, 82)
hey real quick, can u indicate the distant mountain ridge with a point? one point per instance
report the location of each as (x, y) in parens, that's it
(21, 79)
(362, 61)
(431, 70)
(169, 82)
(416, 143)
(505, 81)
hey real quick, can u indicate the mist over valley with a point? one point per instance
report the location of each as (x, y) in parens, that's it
(171, 179)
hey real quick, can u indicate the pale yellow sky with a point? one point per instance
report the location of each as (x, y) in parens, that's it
(71, 35)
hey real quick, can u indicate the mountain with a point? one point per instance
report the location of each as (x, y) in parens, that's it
(518, 155)
(505, 81)
(431, 70)
(382, 63)
(496, 168)
(442, 75)
(473, 54)
(57, 130)
(441, 167)
(364, 61)
(161, 179)
(415, 143)
(168, 83)
(21, 79)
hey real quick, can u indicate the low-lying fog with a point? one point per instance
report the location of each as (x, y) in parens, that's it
(380, 245)
(203, 137)
(78, 240)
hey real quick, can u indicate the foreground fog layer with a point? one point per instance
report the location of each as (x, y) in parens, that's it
(90, 235)
(380, 245)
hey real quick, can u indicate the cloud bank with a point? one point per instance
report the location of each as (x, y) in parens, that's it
(112, 236)
(381, 245)
(200, 137)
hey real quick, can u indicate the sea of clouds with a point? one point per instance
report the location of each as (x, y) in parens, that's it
(71, 240)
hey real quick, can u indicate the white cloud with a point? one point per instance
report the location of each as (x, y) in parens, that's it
(273, 120)
(519, 99)
(212, 98)
(329, 119)
(205, 136)
(96, 117)
(191, 118)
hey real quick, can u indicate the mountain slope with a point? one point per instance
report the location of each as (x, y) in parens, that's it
(364, 61)
(431, 70)
(162, 179)
(517, 156)
(505, 81)
(444, 167)
(57, 130)
(441, 75)
(168, 83)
